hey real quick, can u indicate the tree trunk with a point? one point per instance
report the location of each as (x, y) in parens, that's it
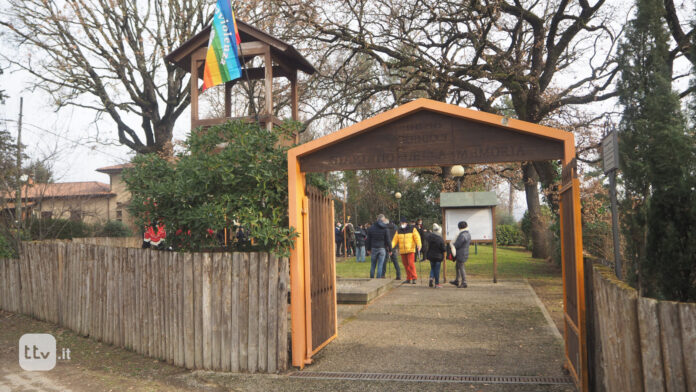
(540, 246)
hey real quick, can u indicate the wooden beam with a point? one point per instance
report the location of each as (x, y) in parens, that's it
(260, 72)
(228, 105)
(254, 48)
(294, 97)
(495, 248)
(263, 119)
(256, 73)
(194, 91)
(268, 62)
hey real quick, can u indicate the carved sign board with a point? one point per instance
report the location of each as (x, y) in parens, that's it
(428, 138)
(610, 152)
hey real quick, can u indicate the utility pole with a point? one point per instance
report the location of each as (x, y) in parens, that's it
(18, 192)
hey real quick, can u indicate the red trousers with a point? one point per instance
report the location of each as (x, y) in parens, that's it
(408, 260)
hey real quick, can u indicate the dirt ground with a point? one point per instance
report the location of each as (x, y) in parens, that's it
(485, 329)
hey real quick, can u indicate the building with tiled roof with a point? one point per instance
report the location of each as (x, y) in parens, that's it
(89, 201)
(119, 205)
(115, 168)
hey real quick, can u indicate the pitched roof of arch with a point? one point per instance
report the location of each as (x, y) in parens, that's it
(405, 120)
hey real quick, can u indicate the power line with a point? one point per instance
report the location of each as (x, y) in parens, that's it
(81, 143)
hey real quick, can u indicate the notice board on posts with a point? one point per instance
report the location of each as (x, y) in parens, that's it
(479, 219)
(477, 209)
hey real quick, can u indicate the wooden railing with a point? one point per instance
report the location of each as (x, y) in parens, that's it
(218, 311)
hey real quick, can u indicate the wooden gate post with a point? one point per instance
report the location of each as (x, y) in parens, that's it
(296, 195)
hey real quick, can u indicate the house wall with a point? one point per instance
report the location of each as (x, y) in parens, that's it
(120, 202)
(93, 209)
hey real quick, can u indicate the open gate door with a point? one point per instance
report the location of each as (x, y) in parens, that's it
(321, 324)
(573, 276)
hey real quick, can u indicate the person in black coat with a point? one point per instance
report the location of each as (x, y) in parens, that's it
(461, 253)
(394, 255)
(435, 254)
(423, 234)
(360, 238)
(338, 237)
(378, 243)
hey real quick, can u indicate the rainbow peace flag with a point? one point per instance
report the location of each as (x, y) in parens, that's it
(222, 60)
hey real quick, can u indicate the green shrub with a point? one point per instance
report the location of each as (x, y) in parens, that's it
(6, 248)
(503, 218)
(49, 228)
(526, 228)
(209, 188)
(509, 235)
(114, 228)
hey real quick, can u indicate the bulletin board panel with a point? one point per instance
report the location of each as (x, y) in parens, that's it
(479, 219)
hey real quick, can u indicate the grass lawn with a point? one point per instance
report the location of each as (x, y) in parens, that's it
(513, 262)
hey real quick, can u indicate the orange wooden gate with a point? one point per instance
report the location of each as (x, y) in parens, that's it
(320, 271)
(386, 141)
(573, 275)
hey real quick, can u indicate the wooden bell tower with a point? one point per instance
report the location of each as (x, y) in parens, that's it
(280, 59)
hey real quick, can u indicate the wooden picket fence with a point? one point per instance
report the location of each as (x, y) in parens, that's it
(120, 242)
(638, 344)
(217, 311)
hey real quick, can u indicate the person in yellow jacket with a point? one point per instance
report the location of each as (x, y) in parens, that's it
(409, 242)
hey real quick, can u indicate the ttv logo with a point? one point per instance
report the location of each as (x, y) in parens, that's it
(37, 351)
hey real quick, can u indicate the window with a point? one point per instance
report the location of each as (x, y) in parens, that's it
(46, 214)
(75, 215)
(119, 215)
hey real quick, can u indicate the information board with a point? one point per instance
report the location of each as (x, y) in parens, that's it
(480, 220)
(610, 152)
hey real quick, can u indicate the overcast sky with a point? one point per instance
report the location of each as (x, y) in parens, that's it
(68, 135)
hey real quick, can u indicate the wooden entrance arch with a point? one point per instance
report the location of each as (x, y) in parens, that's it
(417, 134)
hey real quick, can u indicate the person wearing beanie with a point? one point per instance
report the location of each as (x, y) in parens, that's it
(461, 253)
(435, 254)
(409, 242)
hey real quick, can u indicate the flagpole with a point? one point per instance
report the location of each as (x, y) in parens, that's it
(246, 74)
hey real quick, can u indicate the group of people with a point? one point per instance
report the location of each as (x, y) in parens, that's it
(385, 241)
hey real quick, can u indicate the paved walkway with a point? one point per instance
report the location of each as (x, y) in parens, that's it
(486, 329)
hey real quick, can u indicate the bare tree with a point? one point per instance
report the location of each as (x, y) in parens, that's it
(543, 55)
(107, 55)
(684, 34)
